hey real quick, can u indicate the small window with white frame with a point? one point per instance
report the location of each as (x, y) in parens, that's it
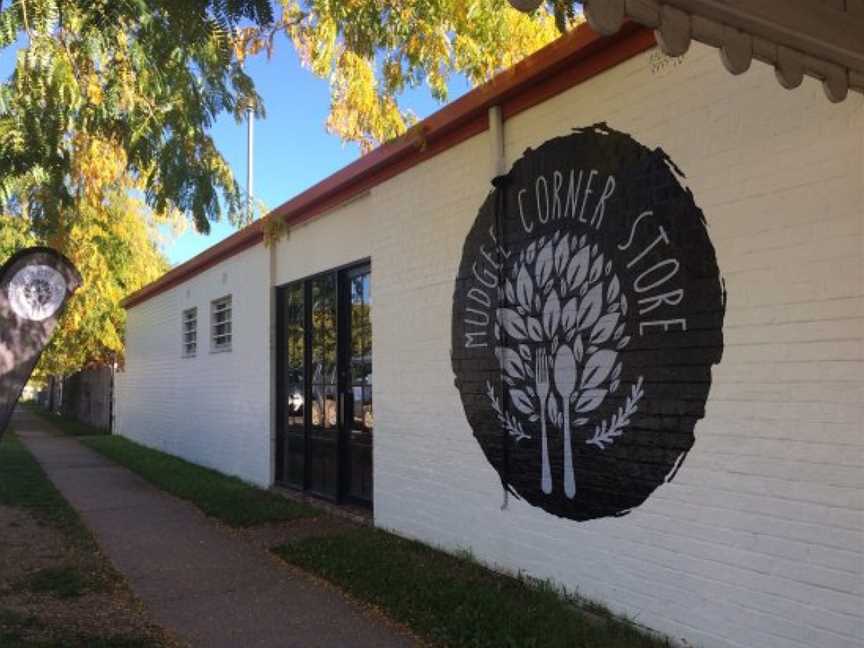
(220, 324)
(190, 332)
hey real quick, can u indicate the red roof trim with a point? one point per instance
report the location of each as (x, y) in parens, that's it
(568, 61)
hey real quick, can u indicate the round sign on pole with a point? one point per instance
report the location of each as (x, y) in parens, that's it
(35, 284)
(36, 292)
(587, 314)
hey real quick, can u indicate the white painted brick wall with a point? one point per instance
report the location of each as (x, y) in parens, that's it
(211, 409)
(214, 409)
(759, 540)
(327, 242)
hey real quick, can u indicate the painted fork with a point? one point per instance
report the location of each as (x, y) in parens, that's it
(541, 374)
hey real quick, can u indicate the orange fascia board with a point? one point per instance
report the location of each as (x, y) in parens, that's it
(568, 61)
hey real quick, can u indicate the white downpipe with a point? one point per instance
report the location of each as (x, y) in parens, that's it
(497, 167)
(496, 141)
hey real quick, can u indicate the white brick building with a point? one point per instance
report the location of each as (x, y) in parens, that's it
(758, 541)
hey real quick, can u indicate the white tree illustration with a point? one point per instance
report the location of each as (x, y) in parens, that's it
(559, 333)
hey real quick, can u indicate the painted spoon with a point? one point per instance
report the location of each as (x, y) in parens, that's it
(565, 383)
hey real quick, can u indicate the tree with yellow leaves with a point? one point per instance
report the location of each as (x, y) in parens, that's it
(103, 138)
(373, 50)
(104, 122)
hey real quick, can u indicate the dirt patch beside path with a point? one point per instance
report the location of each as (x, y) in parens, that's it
(57, 590)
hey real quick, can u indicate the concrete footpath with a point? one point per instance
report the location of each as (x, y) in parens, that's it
(207, 585)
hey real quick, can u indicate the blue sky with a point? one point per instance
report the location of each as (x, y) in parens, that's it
(292, 149)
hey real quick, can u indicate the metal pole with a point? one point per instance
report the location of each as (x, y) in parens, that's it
(250, 118)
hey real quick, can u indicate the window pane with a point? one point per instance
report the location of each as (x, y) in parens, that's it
(368, 417)
(357, 398)
(294, 407)
(331, 409)
(359, 450)
(324, 330)
(294, 330)
(220, 321)
(189, 329)
(317, 404)
(295, 459)
(360, 470)
(358, 370)
(361, 350)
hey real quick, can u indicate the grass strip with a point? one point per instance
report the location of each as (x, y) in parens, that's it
(455, 601)
(66, 425)
(226, 498)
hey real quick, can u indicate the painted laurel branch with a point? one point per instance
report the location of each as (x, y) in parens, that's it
(561, 296)
(607, 431)
(507, 420)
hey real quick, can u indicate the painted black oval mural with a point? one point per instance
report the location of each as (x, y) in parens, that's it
(588, 311)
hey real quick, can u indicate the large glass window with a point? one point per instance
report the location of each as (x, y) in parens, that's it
(291, 448)
(294, 357)
(324, 410)
(359, 392)
(324, 440)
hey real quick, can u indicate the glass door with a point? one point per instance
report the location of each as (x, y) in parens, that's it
(322, 439)
(324, 385)
(357, 383)
(291, 387)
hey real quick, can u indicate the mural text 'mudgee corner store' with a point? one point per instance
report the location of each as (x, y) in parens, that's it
(663, 262)
(587, 314)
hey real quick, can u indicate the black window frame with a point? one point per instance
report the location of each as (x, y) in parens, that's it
(340, 272)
